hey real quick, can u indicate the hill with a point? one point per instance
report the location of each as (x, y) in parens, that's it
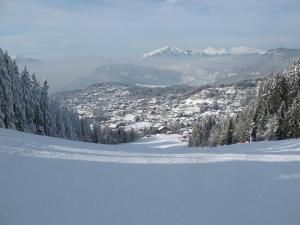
(217, 66)
(130, 74)
(174, 66)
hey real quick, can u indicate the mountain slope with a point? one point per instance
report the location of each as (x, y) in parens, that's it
(232, 67)
(130, 74)
(209, 51)
(53, 181)
(171, 52)
(172, 66)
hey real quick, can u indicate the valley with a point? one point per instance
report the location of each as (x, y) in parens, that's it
(152, 112)
(148, 110)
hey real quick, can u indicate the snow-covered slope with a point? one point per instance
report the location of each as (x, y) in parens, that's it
(154, 181)
(171, 52)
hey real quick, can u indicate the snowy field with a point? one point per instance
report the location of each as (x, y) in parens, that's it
(156, 181)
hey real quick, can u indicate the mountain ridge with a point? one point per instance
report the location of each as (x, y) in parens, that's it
(184, 67)
(168, 51)
(130, 74)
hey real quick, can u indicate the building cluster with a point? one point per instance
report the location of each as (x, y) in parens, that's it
(116, 105)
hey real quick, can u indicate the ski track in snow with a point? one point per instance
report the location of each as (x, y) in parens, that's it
(156, 181)
(33, 146)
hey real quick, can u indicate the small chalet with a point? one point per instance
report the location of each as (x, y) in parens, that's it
(164, 130)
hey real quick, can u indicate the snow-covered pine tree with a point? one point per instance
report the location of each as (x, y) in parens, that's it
(26, 106)
(273, 106)
(6, 95)
(274, 115)
(27, 100)
(229, 132)
(44, 106)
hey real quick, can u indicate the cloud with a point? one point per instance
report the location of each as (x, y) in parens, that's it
(289, 176)
(79, 34)
(215, 51)
(172, 1)
(59, 29)
(245, 50)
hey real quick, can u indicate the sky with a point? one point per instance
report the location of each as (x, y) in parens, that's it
(73, 37)
(78, 30)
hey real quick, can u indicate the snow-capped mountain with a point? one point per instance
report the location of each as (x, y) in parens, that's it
(209, 51)
(193, 67)
(171, 52)
(223, 66)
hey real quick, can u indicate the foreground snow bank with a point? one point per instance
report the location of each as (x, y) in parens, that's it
(154, 181)
(169, 150)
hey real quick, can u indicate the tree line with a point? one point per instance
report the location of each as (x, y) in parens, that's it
(273, 115)
(26, 106)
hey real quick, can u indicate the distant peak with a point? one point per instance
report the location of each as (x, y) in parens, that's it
(165, 51)
(168, 51)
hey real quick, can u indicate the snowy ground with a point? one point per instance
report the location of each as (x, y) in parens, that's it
(156, 181)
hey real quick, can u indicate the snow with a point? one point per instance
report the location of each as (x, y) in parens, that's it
(151, 86)
(140, 125)
(171, 51)
(156, 180)
(129, 117)
(209, 51)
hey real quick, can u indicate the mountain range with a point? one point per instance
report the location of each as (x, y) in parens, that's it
(175, 66)
(129, 74)
(209, 51)
(222, 65)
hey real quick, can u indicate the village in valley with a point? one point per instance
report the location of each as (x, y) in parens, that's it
(150, 110)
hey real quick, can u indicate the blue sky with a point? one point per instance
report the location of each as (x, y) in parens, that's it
(78, 30)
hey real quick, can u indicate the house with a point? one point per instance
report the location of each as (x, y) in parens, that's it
(164, 130)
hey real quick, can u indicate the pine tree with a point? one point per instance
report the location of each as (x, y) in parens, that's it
(229, 133)
(44, 107)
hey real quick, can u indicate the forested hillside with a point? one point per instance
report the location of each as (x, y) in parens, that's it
(26, 106)
(274, 115)
(277, 108)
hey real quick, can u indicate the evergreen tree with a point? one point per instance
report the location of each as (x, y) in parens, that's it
(26, 106)
(274, 115)
(229, 133)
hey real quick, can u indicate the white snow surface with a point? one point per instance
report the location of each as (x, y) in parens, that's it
(170, 51)
(157, 180)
